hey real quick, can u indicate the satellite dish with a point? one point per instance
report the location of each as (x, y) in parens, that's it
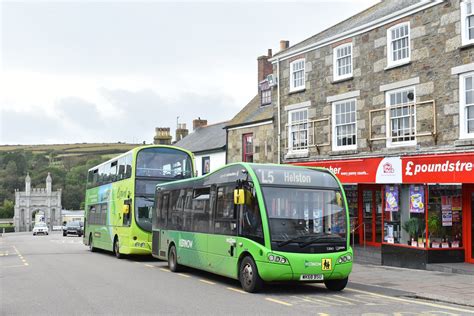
(410, 96)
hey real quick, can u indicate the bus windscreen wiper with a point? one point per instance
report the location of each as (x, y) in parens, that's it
(289, 241)
(326, 238)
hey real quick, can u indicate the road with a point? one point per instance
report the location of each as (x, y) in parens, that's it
(46, 275)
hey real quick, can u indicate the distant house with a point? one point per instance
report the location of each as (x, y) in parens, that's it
(208, 143)
(250, 136)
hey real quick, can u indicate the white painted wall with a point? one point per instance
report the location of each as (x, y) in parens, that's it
(217, 160)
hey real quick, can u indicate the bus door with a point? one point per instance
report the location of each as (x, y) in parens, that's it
(222, 252)
(250, 221)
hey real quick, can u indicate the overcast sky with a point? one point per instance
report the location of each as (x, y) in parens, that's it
(109, 71)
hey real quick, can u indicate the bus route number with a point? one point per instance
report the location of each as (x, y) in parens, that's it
(267, 176)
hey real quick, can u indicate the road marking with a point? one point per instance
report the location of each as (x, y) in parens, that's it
(323, 314)
(413, 301)
(149, 266)
(313, 300)
(183, 275)
(206, 281)
(339, 301)
(278, 301)
(16, 266)
(236, 290)
(165, 270)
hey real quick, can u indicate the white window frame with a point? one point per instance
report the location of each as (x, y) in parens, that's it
(294, 88)
(463, 134)
(390, 61)
(291, 148)
(336, 75)
(335, 147)
(464, 25)
(391, 144)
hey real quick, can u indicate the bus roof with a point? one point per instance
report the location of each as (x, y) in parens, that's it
(134, 150)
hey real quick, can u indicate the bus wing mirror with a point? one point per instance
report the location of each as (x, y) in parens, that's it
(126, 209)
(239, 196)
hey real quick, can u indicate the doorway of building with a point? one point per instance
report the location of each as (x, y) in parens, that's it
(370, 214)
(468, 196)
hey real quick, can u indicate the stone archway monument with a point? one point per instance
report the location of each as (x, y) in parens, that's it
(34, 201)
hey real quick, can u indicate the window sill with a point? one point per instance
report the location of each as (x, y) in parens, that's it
(297, 90)
(341, 152)
(339, 80)
(297, 154)
(393, 66)
(464, 142)
(466, 45)
(401, 144)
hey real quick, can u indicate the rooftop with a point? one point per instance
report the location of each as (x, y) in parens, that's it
(253, 112)
(204, 139)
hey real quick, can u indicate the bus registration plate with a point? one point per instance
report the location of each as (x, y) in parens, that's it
(311, 277)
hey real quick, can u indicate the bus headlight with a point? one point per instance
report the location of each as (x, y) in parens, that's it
(277, 259)
(345, 258)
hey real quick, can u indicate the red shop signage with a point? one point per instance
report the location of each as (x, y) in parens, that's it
(458, 168)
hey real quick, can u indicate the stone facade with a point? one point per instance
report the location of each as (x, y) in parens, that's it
(263, 143)
(435, 48)
(35, 201)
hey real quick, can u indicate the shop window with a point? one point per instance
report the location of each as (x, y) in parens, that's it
(445, 216)
(404, 215)
(352, 202)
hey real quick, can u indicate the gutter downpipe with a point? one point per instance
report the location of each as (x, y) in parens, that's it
(278, 112)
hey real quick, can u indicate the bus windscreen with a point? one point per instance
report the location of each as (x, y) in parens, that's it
(163, 163)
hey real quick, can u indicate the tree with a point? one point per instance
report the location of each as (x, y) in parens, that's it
(7, 210)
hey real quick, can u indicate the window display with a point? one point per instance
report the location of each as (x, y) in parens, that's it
(351, 196)
(445, 216)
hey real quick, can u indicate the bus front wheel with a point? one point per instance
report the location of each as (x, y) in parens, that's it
(248, 276)
(336, 285)
(173, 264)
(91, 245)
(117, 249)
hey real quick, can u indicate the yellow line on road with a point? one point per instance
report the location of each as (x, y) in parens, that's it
(413, 301)
(183, 275)
(237, 290)
(149, 266)
(16, 266)
(165, 270)
(278, 301)
(206, 281)
(323, 314)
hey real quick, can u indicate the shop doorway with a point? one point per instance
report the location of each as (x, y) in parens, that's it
(468, 196)
(370, 214)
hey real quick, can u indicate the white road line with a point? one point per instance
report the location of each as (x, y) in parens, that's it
(413, 301)
(183, 275)
(149, 266)
(165, 270)
(237, 290)
(278, 301)
(206, 281)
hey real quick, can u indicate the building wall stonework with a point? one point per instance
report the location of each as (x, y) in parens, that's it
(263, 143)
(435, 48)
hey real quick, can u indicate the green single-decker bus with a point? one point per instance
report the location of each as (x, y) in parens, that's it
(256, 223)
(120, 197)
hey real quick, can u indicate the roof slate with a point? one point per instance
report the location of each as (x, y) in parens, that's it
(206, 138)
(379, 10)
(251, 113)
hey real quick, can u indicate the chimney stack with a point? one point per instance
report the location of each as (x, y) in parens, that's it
(264, 66)
(199, 123)
(284, 45)
(181, 132)
(163, 136)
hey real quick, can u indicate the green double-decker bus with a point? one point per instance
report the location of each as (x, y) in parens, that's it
(256, 223)
(120, 197)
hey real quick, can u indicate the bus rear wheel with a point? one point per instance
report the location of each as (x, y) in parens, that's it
(91, 245)
(173, 264)
(117, 249)
(336, 285)
(248, 276)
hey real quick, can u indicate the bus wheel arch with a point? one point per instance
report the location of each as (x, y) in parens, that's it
(91, 245)
(249, 277)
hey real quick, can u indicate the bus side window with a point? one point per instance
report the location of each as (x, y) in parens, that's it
(225, 221)
(121, 168)
(188, 211)
(201, 213)
(128, 166)
(175, 209)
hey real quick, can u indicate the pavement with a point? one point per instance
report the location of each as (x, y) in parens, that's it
(429, 285)
(56, 275)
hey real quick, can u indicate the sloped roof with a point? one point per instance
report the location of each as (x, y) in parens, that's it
(252, 113)
(377, 11)
(205, 138)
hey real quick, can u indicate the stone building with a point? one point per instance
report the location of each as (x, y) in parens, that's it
(385, 99)
(208, 144)
(37, 204)
(250, 136)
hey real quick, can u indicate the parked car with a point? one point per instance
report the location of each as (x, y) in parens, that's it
(73, 227)
(40, 228)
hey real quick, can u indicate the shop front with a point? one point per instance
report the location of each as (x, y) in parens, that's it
(417, 209)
